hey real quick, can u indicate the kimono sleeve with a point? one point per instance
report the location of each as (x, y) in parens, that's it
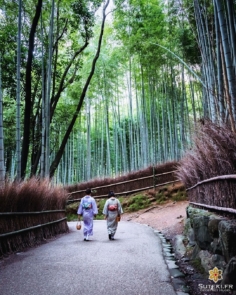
(80, 208)
(95, 208)
(105, 208)
(120, 210)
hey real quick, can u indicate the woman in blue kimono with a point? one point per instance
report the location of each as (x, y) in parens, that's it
(112, 209)
(88, 210)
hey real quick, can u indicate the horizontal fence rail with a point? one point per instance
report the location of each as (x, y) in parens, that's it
(31, 228)
(127, 192)
(124, 182)
(215, 208)
(20, 230)
(216, 193)
(31, 213)
(222, 177)
(119, 193)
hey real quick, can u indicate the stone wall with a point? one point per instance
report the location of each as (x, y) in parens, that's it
(211, 239)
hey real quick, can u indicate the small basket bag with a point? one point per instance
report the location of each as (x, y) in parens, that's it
(78, 225)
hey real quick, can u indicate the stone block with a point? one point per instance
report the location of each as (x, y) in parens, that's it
(213, 227)
(216, 247)
(227, 237)
(201, 232)
(229, 274)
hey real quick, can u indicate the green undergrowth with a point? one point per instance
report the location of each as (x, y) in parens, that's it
(138, 201)
(196, 263)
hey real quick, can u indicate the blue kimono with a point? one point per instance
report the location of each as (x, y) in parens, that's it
(87, 208)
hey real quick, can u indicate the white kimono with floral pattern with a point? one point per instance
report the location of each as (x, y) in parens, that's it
(111, 215)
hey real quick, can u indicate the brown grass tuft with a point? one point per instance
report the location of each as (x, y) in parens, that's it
(33, 196)
(213, 154)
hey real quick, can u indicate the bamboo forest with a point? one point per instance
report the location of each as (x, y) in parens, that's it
(92, 89)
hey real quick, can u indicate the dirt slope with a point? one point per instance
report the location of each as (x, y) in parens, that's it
(166, 218)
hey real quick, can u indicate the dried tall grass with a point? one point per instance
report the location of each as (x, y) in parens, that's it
(33, 195)
(213, 154)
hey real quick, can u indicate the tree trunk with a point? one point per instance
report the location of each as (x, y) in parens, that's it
(28, 104)
(59, 154)
(47, 95)
(2, 166)
(18, 99)
(88, 146)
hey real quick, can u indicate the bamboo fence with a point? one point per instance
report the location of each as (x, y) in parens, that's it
(127, 187)
(216, 191)
(20, 230)
(31, 212)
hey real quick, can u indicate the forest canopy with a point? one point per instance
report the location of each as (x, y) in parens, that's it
(100, 88)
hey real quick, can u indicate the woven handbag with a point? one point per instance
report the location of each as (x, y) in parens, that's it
(78, 225)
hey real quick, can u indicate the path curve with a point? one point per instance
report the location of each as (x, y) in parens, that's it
(132, 264)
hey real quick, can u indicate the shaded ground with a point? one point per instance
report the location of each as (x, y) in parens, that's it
(169, 219)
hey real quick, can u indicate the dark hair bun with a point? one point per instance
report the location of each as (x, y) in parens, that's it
(111, 193)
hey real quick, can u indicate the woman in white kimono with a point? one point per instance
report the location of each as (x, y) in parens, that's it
(112, 209)
(88, 210)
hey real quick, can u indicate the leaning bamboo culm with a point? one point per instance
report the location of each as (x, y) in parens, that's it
(212, 155)
(35, 210)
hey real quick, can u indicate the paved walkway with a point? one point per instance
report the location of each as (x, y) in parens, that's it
(132, 264)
